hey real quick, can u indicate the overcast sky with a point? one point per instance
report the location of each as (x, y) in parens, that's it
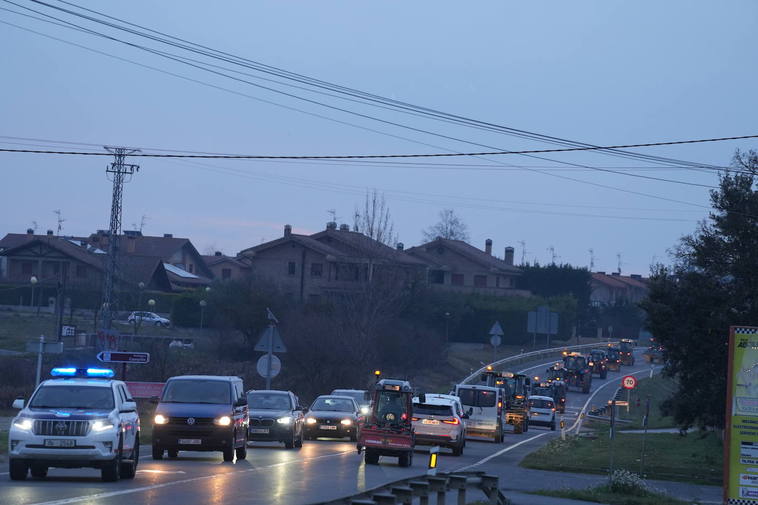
(603, 72)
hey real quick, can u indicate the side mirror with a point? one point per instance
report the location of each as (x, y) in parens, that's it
(465, 416)
(301, 408)
(128, 407)
(470, 411)
(18, 403)
(241, 402)
(154, 399)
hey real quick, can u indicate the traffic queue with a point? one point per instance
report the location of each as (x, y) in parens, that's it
(86, 418)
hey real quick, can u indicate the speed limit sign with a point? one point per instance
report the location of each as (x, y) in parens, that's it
(629, 382)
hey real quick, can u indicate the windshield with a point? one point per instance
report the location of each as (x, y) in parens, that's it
(477, 397)
(432, 410)
(540, 404)
(543, 391)
(575, 362)
(333, 404)
(268, 401)
(597, 356)
(391, 407)
(197, 391)
(358, 396)
(73, 397)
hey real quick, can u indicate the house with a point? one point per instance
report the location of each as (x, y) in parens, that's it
(617, 288)
(328, 263)
(228, 268)
(454, 265)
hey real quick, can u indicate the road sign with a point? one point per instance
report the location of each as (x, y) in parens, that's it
(497, 329)
(123, 357)
(68, 331)
(496, 340)
(47, 347)
(262, 366)
(629, 382)
(145, 389)
(542, 321)
(270, 336)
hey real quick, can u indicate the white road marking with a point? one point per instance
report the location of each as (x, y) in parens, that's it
(160, 471)
(502, 451)
(99, 496)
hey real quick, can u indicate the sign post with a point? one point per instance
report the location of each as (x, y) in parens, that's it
(269, 365)
(41, 348)
(740, 446)
(629, 382)
(496, 338)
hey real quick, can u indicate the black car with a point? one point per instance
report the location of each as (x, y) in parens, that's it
(201, 413)
(332, 416)
(275, 416)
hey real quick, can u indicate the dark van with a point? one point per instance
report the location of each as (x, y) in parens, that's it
(201, 413)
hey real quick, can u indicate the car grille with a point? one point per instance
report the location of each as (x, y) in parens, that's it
(190, 433)
(199, 421)
(328, 421)
(261, 422)
(60, 428)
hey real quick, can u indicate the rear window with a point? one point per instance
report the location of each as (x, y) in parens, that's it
(477, 397)
(432, 410)
(541, 404)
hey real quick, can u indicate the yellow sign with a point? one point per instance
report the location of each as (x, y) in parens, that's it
(741, 447)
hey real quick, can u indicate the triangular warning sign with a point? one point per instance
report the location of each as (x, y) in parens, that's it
(497, 329)
(270, 337)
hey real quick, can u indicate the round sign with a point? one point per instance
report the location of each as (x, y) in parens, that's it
(263, 367)
(496, 340)
(629, 382)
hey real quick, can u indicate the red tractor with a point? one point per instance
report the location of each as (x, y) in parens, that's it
(388, 428)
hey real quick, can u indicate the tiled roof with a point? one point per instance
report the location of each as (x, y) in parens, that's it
(356, 244)
(215, 260)
(464, 249)
(303, 240)
(618, 281)
(15, 241)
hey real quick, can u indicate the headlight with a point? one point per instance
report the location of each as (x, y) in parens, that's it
(365, 410)
(23, 423)
(284, 420)
(310, 420)
(346, 422)
(160, 419)
(101, 425)
(223, 421)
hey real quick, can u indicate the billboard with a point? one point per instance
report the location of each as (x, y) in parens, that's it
(741, 447)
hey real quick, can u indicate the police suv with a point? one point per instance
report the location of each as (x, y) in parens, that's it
(80, 418)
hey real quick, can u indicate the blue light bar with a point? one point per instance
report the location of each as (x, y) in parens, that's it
(63, 372)
(95, 373)
(100, 372)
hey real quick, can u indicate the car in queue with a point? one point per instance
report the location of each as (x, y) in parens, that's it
(361, 397)
(542, 411)
(201, 413)
(332, 416)
(613, 361)
(275, 416)
(438, 421)
(485, 408)
(599, 363)
(79, 418)
(556, 390)
(626, 351)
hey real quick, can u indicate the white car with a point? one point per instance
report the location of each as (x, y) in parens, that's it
(148, 318)
(81, 418)
(439, 421)
(542, 411)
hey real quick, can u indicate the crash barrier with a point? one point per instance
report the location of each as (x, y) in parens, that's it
(603, 413)
(529, 356)
(466, 486)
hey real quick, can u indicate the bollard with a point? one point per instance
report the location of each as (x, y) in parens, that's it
(459, 482)
(490, 487)
(384, 499)
(404, 494)
(438, 485)
(420, 489)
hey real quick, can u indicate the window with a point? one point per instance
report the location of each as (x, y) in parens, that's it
(457, 279)
(226, 273)
(437, 277)
(26, 267)
(317, 269)
(291, 268)
(192, 268)
(81, 271)
(121, 393)
(480, 281)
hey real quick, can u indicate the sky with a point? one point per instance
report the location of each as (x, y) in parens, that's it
(601, 72)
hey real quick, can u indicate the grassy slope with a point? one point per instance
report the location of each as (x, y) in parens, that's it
(602, 495)
(659, 389)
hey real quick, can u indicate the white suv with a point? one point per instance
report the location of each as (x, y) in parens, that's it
(542, 411)
(439, 421)
(80, 418)
(148, 318)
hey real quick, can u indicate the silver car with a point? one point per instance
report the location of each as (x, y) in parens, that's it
(438, 421)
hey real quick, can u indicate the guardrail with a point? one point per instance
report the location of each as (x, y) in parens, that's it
(421, 488)
(529, 356)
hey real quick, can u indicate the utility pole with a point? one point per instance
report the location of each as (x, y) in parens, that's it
(618, 257)
(522, 243)
(592, 260)
(119, 173)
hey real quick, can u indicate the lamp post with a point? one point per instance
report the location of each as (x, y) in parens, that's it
(203, 303)
(33, 280)
(137, 321)
(448, 316)
(151, 304)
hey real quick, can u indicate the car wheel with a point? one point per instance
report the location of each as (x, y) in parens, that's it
(229, 452)
(458, 449)
(604, 374)
(371, 457)
(526, 425)
(17, 469)
(111, 472)
(299, 441)
(552, 425)
(241, 452)
(129, 470)
(157, 452)
(290, 442)
(354, 437)
(173, 453)
(39, 471)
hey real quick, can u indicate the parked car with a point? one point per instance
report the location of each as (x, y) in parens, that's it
(332, 416)
(139, 317)
(438, 421)
(542, 411)
(275, 416)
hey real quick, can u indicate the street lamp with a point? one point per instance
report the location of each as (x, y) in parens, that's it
(34, 281)
(151, 304)
(447, 315)
(203, 303)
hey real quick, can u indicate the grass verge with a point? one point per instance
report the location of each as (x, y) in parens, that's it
(658, 388)
(603, 494)
(695, 458)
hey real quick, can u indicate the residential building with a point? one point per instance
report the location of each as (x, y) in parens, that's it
(617, 288)
(228, 268)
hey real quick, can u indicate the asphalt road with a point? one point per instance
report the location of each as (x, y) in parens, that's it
(321, 470)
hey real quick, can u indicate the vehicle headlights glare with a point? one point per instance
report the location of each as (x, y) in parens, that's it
(23, 423)
(284, 420)
(365, 410)
(160, 419)
(310, 420)
(223, 421)
(346, 422)
(101, 425)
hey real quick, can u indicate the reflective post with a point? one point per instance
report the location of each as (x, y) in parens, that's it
(39, 359)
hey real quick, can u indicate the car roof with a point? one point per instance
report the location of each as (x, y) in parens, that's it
(539, 397)
(335, 391)
(280, 391)
(224, 378)
(341, 397)
(80, 382)
(476, 386)
(447, 397)
(434, 401)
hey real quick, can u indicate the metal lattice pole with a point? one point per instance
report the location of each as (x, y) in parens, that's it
(120, 173)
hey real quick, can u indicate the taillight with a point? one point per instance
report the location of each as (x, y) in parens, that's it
(414, 419)
(404, 417)
(451, 421)
(500, 405)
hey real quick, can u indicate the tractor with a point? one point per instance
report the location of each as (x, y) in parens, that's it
(578, 372)
(388, 428)
(626, 351)
(515, 388)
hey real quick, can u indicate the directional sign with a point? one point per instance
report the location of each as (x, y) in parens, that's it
(47, 347)
(262, 366)
(123, 357)
(270, 337)
(629, 382)
(497, 329)
(496, 340)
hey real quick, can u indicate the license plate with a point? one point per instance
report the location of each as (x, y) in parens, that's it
(259, 430)
(189, 441)
(429, 421)
(57, 442)
(327, 427)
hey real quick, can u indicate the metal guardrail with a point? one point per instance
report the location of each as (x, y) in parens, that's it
(421, 488)
(529, 356)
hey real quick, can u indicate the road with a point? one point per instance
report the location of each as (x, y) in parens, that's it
(320, 471)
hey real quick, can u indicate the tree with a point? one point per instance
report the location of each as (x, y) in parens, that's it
(449, 226)
(374, 220)
(712, 284)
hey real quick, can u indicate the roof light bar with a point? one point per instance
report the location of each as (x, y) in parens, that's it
(82, 372)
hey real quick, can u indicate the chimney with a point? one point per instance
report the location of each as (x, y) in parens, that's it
(344, 227)
(488, 246)
(168, 235)
(287, 230)
(217, 253)
(49, 233)
(331, 225)
(509, 255)
(400, 246)
(29, 231)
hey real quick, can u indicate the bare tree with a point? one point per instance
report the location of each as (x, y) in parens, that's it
(374, 219)
(449, 226)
